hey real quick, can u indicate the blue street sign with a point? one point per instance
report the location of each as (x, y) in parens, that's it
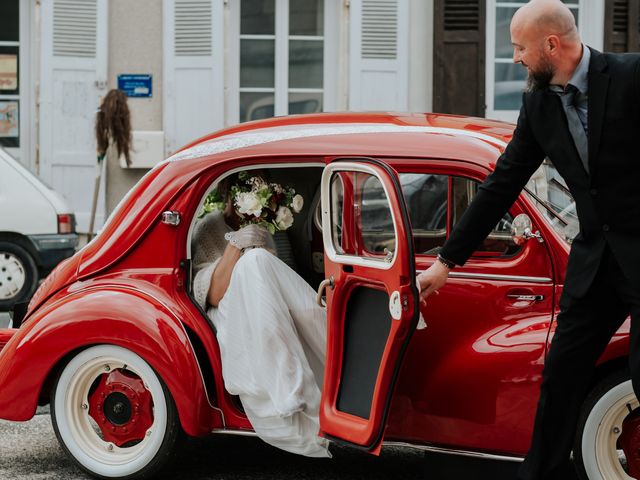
(136, 85)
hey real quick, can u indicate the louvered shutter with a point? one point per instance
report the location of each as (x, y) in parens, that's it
(622, 26)
(459, 57)
(379, 43)
(193, 70)
(73, 78)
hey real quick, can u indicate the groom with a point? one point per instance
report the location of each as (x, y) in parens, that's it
(582, 110)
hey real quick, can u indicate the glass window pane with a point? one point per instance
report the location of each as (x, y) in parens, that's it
(9, 20)
(337, 217)
(510, 81)
(257, 60)
(499, 242)
(305, 103)
(378, 231)
(254, 106)
(504, 49)
(426, 199)
(257, 17)
(305, 63)
(306, 17)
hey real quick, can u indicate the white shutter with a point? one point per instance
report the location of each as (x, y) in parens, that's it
(193, 70)
(379, 42)
(73, 77)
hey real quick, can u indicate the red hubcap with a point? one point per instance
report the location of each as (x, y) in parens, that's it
(629, 441)
(122, 407)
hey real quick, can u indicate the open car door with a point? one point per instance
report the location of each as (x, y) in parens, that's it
(371, 295)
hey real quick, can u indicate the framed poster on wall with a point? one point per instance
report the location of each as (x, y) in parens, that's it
(9, 123)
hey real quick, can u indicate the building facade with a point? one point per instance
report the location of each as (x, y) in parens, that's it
(213, 63)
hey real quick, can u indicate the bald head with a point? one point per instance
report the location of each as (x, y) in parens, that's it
(547, 17)
(546, 41)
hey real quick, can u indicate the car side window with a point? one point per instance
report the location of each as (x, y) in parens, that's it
(427, 199)
(499, 242)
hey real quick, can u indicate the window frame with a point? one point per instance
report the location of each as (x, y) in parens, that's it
(281, 37)
(591, 28)
(451, 169)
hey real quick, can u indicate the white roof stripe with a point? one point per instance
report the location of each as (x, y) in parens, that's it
(275, 134)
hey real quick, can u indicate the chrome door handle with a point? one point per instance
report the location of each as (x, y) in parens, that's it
(321, 289)
(529, 298)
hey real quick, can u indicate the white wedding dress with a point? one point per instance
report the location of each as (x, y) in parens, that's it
(272, 338)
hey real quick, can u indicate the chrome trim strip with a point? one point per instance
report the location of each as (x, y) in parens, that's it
(426, 448)
(492, 276)
(237, 433)
(461, 453)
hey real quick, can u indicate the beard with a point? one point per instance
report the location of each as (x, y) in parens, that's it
(540, 78)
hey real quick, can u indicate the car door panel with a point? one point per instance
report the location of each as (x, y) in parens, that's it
(371, 309)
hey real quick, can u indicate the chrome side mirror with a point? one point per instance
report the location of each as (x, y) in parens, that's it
(521, 230)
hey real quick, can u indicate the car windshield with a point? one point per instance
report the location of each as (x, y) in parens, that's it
(550, 195)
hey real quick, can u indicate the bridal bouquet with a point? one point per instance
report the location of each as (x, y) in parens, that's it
(269, 205)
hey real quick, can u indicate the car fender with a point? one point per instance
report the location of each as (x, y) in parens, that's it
(116, 315)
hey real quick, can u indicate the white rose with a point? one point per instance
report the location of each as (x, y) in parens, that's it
(248, 203)
(297, 203)
(284, 218)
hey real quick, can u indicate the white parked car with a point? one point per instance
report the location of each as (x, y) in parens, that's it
(37, 231)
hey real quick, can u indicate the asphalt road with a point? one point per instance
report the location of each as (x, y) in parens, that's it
(30, 451)
(4, 319)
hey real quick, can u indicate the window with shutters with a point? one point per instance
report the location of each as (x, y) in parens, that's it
(506, 80)
(622, 26)
(282, 60)
(9, 73)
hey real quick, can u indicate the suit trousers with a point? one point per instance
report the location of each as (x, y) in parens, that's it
(584, 327)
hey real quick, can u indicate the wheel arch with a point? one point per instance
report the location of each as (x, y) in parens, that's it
(119, 316)
(615, 358)
(24, 242)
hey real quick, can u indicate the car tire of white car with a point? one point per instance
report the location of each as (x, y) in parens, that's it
(596, 451)
(82, 438)
(18, 275)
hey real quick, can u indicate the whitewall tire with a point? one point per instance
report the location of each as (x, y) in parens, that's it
(113, 415)
(605, 431)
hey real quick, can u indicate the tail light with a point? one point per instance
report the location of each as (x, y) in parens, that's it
(66, 223)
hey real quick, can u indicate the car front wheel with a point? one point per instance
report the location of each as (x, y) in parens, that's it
(608, 441)
(113, 415)
(18, 275)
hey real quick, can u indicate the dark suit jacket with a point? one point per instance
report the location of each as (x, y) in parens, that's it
(607, 199)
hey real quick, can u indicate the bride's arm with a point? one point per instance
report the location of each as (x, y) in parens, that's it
(222, 275)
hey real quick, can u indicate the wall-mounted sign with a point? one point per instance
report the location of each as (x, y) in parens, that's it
(9, 119)
(8, 72)
(136, 85)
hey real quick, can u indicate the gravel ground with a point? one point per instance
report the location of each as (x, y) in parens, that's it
(30, 451)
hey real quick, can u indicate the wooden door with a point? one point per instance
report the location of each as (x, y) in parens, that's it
(459, 57)
(622, 26)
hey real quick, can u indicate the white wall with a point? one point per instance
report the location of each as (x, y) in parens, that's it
(135, 46)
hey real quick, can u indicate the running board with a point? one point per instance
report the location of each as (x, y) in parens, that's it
(426, 448)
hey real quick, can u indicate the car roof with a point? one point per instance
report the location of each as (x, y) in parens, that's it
(380, 135)
(384, 134)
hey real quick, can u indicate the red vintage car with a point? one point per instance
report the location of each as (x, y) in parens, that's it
(114, 341)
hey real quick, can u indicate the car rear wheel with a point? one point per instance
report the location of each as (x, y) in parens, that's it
(608, 441)
(113, 415)
(18, 275)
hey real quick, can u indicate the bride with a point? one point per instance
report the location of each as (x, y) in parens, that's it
(271, 331)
